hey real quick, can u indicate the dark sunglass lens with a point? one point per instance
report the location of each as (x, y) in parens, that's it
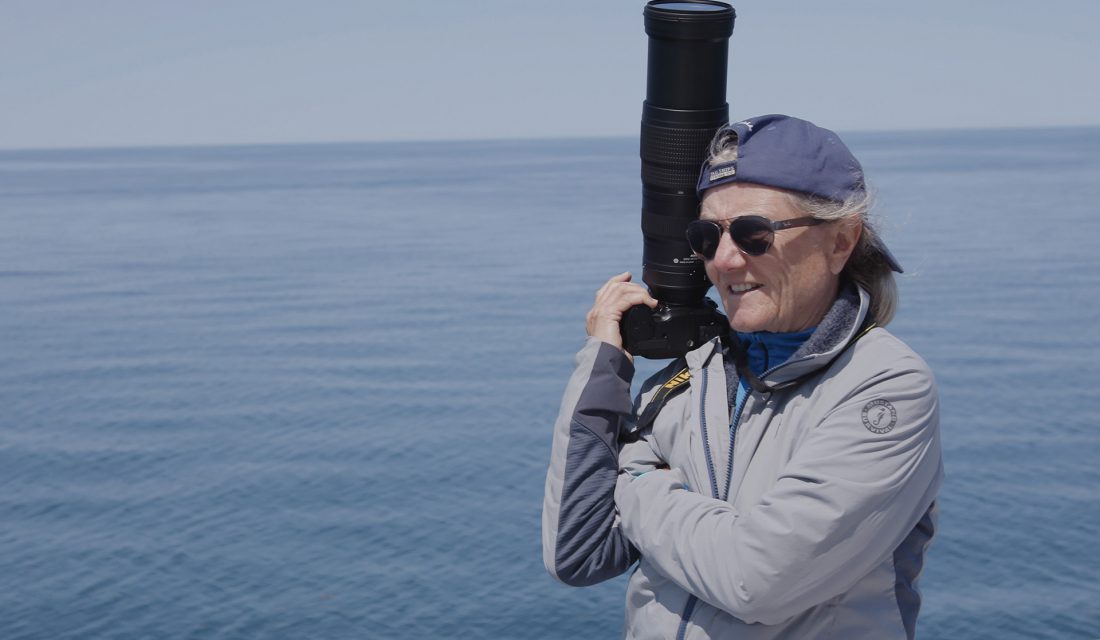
(703, 237)
(753, 235)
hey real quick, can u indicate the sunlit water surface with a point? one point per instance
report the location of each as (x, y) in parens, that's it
(307, 391)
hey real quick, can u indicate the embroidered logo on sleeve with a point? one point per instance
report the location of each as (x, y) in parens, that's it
(879, 416)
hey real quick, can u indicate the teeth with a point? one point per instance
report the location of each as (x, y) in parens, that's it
(741, 288)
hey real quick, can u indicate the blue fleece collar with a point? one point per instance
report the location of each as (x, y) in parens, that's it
(766, 350)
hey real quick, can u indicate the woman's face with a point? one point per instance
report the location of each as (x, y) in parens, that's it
(791, 286)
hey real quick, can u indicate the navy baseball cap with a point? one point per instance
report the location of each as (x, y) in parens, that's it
(780, 151)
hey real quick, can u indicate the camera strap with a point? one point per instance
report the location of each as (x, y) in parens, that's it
(674, 385)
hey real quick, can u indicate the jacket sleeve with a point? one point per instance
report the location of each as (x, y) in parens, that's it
(582, 540)
(845, 500)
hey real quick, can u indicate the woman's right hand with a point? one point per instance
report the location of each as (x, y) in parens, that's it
(612, 300)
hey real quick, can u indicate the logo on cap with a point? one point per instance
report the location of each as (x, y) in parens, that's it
(724, 172)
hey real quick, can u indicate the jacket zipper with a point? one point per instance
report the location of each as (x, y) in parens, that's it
(689, 608)
(733, 443)
(684, 617)
(703, 430)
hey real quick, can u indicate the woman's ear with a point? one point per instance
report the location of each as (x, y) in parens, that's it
(845, 239)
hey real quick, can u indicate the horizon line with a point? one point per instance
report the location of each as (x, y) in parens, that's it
(503, 138)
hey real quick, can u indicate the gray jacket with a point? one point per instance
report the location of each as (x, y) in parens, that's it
(815, 522)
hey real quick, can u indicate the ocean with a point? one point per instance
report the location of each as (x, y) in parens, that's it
(307, 391)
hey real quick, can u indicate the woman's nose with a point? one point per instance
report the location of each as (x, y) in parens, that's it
(728, 256)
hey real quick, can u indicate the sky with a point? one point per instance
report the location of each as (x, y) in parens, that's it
(201, 72)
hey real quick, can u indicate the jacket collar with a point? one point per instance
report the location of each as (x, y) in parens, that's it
(839, 326)
(836, 330)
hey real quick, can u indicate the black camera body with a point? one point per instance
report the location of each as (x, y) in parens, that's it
(670, 331)
(685, 105)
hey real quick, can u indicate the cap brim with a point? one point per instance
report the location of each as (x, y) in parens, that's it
(890, 259)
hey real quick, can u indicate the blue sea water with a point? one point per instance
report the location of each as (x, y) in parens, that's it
(307, 391)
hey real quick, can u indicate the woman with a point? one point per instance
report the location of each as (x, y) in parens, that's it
(787, 488)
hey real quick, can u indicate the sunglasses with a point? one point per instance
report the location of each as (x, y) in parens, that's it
(753, 235)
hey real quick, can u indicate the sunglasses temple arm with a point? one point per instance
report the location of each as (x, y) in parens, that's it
(797, 222)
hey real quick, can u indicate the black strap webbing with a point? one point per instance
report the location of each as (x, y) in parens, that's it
(674, 385)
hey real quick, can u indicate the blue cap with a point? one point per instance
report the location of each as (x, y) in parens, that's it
(780, 151)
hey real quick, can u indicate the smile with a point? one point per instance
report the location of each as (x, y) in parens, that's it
(742, 288)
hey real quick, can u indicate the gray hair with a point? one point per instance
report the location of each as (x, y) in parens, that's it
(867, 266)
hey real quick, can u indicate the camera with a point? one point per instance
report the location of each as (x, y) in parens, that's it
(685, 105)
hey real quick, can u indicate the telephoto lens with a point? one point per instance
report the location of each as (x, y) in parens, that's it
(685, 105)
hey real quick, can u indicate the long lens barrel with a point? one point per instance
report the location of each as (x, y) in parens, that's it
(685, 104)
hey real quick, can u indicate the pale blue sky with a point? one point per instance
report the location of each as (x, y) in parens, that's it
(152, 72)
